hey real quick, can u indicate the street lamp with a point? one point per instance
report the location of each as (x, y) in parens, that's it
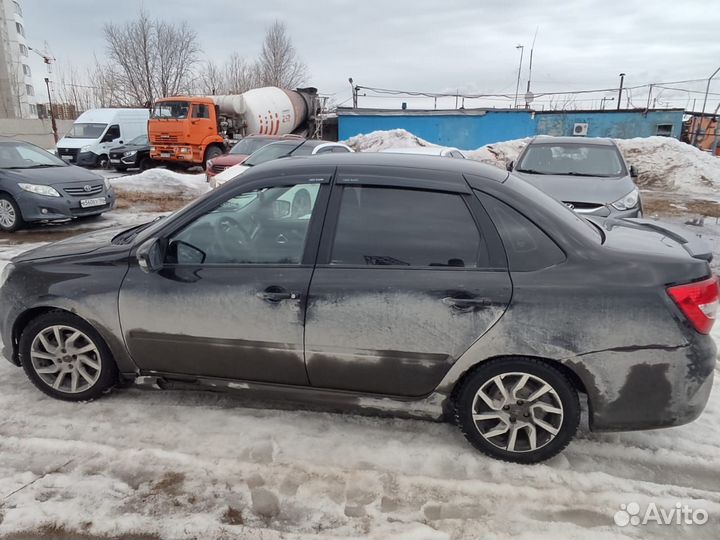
(517, 86)
(622, 80)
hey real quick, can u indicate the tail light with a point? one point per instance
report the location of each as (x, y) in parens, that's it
(698, 301)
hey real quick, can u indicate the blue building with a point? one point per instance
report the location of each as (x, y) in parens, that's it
(471, 128)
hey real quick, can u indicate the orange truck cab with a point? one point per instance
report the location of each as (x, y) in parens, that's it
(185, 131)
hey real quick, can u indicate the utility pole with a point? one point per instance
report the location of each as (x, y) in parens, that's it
(52, 113)
(517, 86)
(622, 80)
(528, 95)
(354, 93)
(702, 112)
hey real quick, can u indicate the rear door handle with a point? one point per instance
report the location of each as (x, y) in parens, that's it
(276, 294)
(466, 303)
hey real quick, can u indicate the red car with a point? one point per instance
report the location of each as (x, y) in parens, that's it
(241, 151)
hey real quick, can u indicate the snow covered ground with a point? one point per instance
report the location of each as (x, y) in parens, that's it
(161, 182)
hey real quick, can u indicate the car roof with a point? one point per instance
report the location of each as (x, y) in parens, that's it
(426, 150)
(586, 141)
(380, 159)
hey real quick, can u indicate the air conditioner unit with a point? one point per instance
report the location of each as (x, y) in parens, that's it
(580, 129)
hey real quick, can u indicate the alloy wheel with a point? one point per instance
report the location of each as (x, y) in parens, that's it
(65, 359)
(517, 412)
(7, 214)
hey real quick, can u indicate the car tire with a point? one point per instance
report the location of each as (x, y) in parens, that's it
(102, 161)
(146, 163)
(11, 218)
(521, 410)
(66, 358)
(211, 152)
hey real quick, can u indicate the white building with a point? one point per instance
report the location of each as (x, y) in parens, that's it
(17, 94)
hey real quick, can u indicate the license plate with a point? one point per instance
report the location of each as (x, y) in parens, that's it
(165, 154)
(88, 203)
(114, 160)
(66, 158)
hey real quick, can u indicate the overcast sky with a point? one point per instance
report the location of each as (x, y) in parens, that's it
(429, 45)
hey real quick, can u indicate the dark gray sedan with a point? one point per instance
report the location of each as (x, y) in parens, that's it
(36, 186)
(425, 287)
(589, 176)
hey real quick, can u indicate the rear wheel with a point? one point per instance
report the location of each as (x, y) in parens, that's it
(519, 409)
(10, 216)
(66, 358)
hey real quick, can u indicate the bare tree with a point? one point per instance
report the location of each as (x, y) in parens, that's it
(240, 76)
(151, 58)
(211, 79)
(279, 64)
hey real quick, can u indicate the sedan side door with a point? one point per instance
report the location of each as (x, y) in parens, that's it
(229, 301)
(410, 274)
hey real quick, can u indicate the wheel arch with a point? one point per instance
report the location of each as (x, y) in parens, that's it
(575, 379)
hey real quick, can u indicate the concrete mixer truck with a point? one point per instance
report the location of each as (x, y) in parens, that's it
(187, 131)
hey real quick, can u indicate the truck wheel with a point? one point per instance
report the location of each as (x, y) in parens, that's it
(10, 215)
(211, 153)
(517, 409)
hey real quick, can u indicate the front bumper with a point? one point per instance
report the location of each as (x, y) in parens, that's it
(123, 161)
(42, 208)
(174, 153)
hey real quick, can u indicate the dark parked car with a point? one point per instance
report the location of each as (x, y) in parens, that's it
(589, 175)
(134, 154)
(439, 288)
(37, 186)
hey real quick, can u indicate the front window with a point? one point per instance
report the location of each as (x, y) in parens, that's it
(247, 146)
(140, 140)
(574, 159)
(270, 152)
(171, 109)
(26, 156)
(266, 226)
(86, 131)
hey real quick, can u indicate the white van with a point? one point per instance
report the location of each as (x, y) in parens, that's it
(96, 131)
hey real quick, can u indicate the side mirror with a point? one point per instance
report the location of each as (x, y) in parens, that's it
(510, 165)
(150, 256)
(633, 171)
(281, 209)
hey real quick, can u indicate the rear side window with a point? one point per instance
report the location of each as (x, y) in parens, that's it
(403, 227)
(528, 248)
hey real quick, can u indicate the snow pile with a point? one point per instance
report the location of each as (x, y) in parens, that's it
(162, 182)
(381, 140)
(667, 164)
(663, 163)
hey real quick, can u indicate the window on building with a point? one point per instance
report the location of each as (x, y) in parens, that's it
(26, 70)
(23, 50)
(20, 29)
(18, 7)
(29, 90)
(664, 130)
(33, 109)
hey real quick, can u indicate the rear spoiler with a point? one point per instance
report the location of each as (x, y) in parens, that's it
(691, 242)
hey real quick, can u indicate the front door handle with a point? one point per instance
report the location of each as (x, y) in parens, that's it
(466, 303)
(277, 294)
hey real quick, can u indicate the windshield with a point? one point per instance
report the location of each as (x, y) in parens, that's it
(573, 159)
(271, 151)
(140, 140)
(19, 155)
(86, 131)
(250, 145)
(171, 109)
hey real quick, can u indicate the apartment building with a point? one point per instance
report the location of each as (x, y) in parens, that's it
(17, 94)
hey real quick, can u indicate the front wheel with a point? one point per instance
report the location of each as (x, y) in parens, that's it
(10, 215)
(519, 409)
(211, 153)
(66, 358)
